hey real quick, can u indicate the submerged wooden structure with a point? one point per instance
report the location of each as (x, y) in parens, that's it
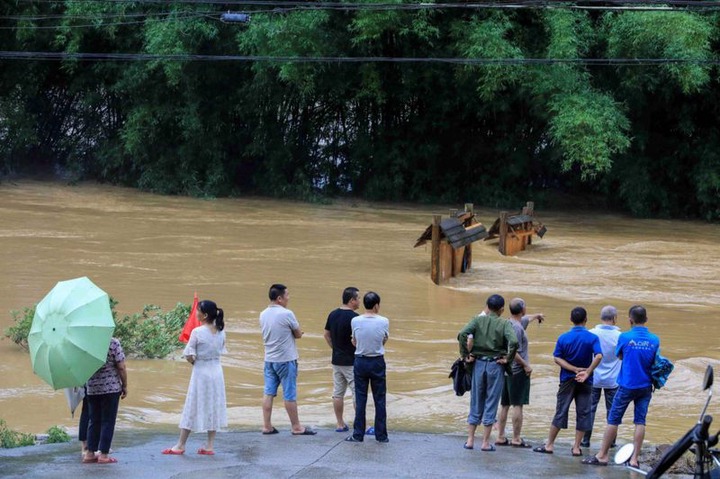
(515, 230)
(451, 238)
(451, 243)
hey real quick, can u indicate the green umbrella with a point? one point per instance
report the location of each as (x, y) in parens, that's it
(70, 333)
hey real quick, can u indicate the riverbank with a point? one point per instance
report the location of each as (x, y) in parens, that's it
(326, 455)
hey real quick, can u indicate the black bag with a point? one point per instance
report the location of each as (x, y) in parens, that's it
(461, 375)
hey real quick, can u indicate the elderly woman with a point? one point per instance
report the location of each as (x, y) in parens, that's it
(104, 390)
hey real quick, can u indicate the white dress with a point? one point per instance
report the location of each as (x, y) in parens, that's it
(205, 407)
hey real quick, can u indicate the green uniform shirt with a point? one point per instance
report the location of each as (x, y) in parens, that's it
(493, 336)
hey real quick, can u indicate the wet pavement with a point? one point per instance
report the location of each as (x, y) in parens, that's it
(253, 455)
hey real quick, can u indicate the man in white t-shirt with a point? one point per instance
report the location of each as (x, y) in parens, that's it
(606, 374)
(280, 329)
(370, 332)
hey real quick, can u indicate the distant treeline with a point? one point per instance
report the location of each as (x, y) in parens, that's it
(641, 138)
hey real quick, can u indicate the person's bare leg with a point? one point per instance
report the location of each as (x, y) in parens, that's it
(471, 435)
(550, 444)
(182, 440)
(210, 441)
(638, 439)
(487, 431)
(578, 439)
(292, 412)
(339, 407)
(267, 406)
(502, 421)
(608, 438)
(517, 422)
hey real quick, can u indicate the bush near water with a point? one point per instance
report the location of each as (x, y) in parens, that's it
(151, 333)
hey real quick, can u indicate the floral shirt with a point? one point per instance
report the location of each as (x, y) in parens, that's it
(106, 380)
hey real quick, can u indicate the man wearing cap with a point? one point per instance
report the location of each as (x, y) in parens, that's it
(492, 347)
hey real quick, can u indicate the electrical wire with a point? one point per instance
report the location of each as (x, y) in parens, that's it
(125, 57)
(542, 4)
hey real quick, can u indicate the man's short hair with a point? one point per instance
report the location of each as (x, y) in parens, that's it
(276, 290)
(495, 303)
(638, 314)
(517, 305)
(578, 315)
(371, 299)
(608, 313)
(349, 293)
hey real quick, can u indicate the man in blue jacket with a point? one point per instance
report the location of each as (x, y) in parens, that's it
(637, 349)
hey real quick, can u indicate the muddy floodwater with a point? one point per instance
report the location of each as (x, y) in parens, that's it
(148, 249)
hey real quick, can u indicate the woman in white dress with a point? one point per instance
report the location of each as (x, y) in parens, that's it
(205, 408)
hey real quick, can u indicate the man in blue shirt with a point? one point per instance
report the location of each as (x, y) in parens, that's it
(578, 353)
(637, 349)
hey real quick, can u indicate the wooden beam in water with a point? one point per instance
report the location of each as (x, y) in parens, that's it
(435, 250)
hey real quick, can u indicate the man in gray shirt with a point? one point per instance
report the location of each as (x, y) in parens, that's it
(370, 332)
(516, 390)
(280, 329)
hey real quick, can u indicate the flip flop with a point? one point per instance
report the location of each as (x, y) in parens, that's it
(272, 431)
(173, 452)
(465, 446)
(109, 460)
(593, 461)
(542, 450)
(506, 442)
(90, 461)
(306, 432)
(345, 428)
(205, 452)
(488, 449)
(576, 454)
(522, 444)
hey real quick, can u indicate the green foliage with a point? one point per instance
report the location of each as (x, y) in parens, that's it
(589, 129)
(662, 35)
(641, 137)
(56, 434)
(18, 333)
(152, 333)
(10, 438)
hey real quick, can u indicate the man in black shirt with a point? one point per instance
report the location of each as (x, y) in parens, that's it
(338, 334)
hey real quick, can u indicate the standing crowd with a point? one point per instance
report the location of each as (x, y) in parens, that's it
(592, 362)
(495, 354)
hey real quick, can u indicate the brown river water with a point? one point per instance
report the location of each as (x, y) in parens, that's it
(144, 248)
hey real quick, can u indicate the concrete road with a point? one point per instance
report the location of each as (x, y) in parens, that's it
(241, 454)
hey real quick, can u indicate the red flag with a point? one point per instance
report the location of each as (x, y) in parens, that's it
(191, 323)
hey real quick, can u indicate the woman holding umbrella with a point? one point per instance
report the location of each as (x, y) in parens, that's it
(205, 406)
(104, 390)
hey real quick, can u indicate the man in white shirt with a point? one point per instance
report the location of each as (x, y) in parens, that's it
(370, 332)
(280, 329)
(606, 374)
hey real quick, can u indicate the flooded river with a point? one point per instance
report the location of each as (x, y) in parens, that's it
(145, 249)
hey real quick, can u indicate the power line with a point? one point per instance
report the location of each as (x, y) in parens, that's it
(127, 57)
(538, 4)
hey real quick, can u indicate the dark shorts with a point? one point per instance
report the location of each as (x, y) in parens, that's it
(581, 393)
(517, 390)
(640, 397)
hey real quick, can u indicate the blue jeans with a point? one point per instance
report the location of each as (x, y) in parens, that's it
(596, 393)
(487, 386)
(101, 427)
(370, 371)
(640, 397)
(281, 373)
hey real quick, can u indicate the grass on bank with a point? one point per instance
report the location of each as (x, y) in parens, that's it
(151, 333)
